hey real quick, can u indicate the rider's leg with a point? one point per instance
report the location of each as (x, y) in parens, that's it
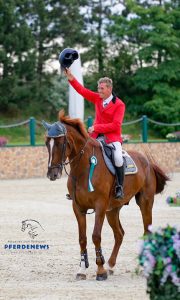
(118, 161)
(120, 181)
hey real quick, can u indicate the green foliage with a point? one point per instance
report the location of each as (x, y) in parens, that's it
(16, 61)
(32, 33)
(97, 18)
(150, 33)
(137, 47)
(160, 256)
(21, 135)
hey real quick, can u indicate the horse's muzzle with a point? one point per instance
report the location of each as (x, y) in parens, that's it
(54, 173)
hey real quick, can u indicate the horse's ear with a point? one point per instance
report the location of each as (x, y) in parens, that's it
(46, 125)
(61, 115)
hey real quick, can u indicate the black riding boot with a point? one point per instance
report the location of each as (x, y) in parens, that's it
(119, 180)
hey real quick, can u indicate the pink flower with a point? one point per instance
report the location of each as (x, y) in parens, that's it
(3, 141)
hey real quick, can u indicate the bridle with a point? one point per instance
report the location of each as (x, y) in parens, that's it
(62, 165)
(63, 162)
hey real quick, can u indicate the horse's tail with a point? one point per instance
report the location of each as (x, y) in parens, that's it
(161, 178)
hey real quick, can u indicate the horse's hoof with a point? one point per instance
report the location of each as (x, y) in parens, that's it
(110, 272)
(81, 276)
(101, 277)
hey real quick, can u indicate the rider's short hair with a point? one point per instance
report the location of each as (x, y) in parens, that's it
(106, 80)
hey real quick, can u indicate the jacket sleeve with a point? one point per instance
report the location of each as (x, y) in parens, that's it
(117, 121)
(86, 93)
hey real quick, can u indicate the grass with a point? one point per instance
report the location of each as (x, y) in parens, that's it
(21, 135)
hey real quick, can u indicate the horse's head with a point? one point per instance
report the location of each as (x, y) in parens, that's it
(56, 143)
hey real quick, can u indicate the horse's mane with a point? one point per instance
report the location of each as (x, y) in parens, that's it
(76, 123)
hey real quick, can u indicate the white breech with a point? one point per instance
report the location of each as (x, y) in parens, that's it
(118, 159)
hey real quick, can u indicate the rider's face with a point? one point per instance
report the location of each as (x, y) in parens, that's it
(104, 91)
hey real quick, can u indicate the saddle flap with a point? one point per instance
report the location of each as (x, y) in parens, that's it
(109, 152)
(129, 164)
(107, 157)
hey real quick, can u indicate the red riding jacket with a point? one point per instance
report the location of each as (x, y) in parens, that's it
(108, 119)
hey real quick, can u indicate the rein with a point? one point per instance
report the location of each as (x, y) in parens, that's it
(63, 162)
(74, 178)
(79, 153)
(63, 165)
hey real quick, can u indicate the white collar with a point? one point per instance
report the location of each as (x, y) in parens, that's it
(106, 101)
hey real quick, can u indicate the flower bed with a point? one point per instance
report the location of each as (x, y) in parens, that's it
(160, 260)
(174, 136)
(3, 141)
(126, 138)
(174, 201)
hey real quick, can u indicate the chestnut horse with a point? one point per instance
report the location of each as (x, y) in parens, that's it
(68, 138)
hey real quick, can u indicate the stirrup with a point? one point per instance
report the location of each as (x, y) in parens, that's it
(119, 192)
(68, 197)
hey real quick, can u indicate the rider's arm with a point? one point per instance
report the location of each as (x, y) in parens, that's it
(86, 93)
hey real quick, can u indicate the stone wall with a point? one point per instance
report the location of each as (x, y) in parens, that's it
(167, 155)
(29, 162)
(23, 162)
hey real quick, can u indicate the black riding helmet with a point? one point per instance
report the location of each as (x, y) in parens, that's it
(67, 57)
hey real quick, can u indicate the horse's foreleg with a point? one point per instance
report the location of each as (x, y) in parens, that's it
(84, 264)
(114, 222)
(96, 237)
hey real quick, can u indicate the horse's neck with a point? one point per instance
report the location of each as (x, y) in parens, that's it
(77, 142)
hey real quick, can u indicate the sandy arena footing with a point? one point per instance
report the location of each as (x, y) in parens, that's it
(49, 273)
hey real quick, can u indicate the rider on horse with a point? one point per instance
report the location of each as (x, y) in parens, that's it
(108, 120)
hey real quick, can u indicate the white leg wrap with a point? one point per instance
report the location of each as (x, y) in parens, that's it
(82, 269)
(108, 268)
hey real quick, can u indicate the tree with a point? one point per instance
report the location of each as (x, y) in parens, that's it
(32, 34)
(97, 19)
(16, 60)
(150, 33)
(99, 49)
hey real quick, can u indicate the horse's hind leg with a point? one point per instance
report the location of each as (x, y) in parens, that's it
(114, 222)
(145, 201)
(84, 264)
